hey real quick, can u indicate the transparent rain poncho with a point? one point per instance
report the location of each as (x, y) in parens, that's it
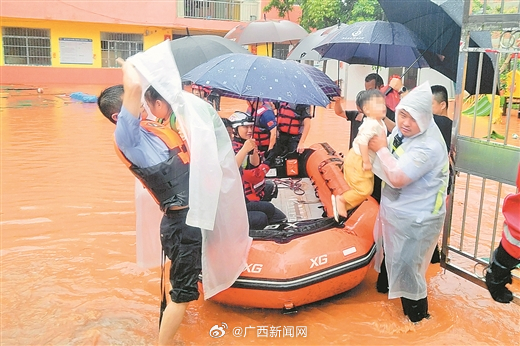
(216, 200)
(413, 198)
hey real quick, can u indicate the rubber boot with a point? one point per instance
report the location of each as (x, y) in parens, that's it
(436, 257)
(499, 275)
(382, 279)
(416, 310)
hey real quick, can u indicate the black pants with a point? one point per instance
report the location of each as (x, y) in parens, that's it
(261, 214)
(270, 190)
(182, 244)
(286, 143)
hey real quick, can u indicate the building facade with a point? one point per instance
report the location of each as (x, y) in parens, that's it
(71, 42)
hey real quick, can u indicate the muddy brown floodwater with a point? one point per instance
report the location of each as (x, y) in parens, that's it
(68, 272)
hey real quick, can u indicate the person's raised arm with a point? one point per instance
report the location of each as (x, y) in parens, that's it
(272, 137)
(132, 88)
(246, 148)
(338, 109)
(305, 132)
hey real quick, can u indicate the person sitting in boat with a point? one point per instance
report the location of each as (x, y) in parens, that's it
(259, 213)
(248, 158)
(265, 132)
(357, 167)
(294, 124)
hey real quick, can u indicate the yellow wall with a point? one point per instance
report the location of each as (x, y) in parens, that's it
(63, 29)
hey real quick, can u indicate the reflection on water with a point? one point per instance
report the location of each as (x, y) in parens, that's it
(68, 253)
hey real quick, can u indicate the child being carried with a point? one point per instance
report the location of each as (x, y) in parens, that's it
(357, 166)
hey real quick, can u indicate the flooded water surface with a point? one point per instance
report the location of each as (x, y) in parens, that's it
(68, 262)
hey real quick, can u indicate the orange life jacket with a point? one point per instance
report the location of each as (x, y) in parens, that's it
(253, 179)
(288, 120)
(260, 134)
(168, 181)
(254, 182)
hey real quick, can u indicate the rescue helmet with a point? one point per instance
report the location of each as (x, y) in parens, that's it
(239, 118)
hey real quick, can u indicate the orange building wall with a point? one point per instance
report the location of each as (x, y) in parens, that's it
(86, 19)
(118, 12)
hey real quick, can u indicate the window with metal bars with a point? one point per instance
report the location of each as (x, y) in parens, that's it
(119, 45)
(26, 46)
(280, 50)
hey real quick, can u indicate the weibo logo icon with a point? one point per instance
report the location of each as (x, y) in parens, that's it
(218, 331)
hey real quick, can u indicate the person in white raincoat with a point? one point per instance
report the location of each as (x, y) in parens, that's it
(216, 203)
(413, 165)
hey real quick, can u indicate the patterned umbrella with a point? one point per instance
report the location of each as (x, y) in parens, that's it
(250, 77)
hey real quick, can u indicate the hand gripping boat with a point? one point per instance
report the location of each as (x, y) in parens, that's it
(306, 259)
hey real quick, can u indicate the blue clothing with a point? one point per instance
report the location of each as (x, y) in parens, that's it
(267, 120)
(139, 146)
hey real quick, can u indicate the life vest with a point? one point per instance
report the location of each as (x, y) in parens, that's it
(260, 134)
(254, 182)
(288, 120)
(253, 179)
(168, 181)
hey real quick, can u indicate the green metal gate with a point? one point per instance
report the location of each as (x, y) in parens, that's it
(485, 149)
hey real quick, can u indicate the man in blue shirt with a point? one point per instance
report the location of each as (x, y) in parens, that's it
(155, 154)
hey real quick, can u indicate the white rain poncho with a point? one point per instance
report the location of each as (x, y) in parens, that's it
(411, 212)
(217, 203)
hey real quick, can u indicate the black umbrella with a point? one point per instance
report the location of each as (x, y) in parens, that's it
(438, 24)
(378, 43)
(192, 51)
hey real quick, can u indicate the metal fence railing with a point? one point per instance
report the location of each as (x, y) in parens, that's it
(484, 146)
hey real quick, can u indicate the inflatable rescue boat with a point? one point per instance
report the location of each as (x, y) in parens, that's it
(310, 257)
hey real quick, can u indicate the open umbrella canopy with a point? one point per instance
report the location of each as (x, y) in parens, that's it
(304, 49)
(265, 31)
(191, 51)
(438, 24)
(374, 43)
(250, 77)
